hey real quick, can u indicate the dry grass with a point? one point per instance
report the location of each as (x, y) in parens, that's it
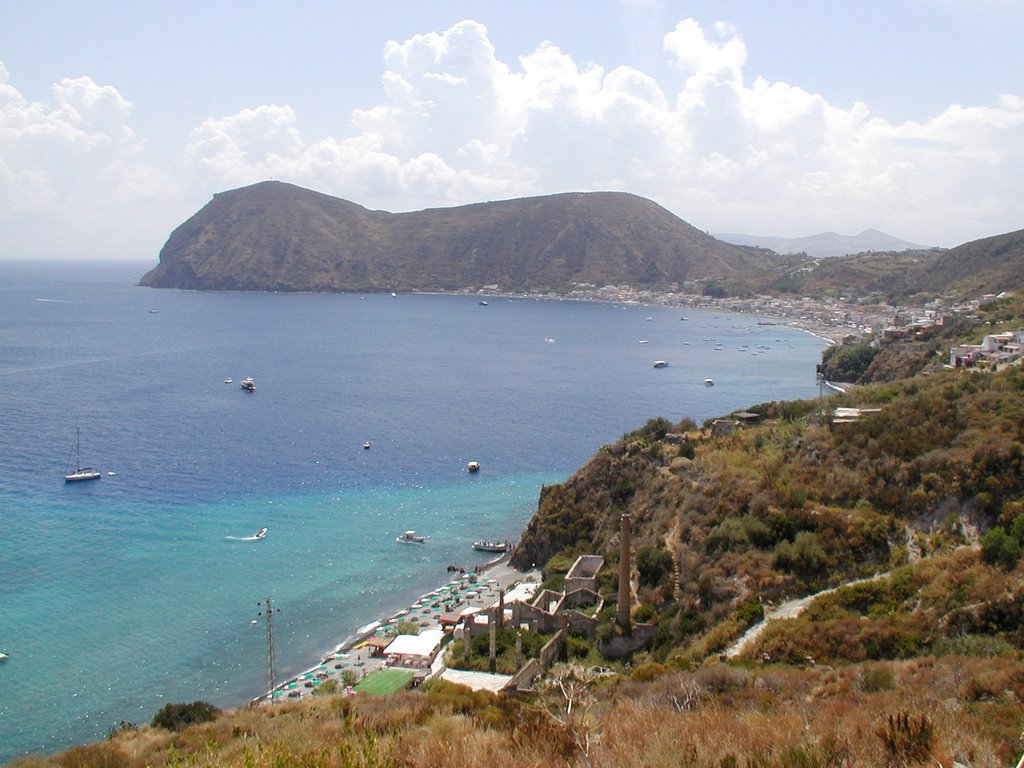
(935, 711)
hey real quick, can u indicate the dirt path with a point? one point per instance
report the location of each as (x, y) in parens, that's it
(787, 610)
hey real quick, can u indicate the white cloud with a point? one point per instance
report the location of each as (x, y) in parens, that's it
(70, 171)
(459, 125)
(724, 149)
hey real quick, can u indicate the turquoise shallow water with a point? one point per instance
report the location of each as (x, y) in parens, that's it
(120, 595)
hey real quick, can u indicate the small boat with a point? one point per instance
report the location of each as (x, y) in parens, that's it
(366, 445)
(491, 546)
(410, 537)
(228, 380)
(709, 382)
(4, 656)
(643, 341)
(153, 311)
(260, 533)
(248, 384)
(473, 466)
(482, 303)
(80, 473)
(660, 364)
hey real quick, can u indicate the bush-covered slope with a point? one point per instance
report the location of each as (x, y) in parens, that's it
(794, 505)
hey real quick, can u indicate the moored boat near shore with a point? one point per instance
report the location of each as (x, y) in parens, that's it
(492, 546)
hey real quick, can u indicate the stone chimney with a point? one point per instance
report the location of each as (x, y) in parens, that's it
(622, 611)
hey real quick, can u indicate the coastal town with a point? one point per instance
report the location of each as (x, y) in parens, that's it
(838, 321)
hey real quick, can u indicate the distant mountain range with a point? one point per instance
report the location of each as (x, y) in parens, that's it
(826, 244)
(280, 237)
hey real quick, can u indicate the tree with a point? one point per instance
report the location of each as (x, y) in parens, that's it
(999, 548)
(653, 563)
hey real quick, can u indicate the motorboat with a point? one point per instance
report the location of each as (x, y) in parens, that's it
(80, 472)
(366, 445)
(709, 382)
(228, 380)
(3, 656)
(643, 341)
(260, 533)
(473, 466)
(410, 537)
(482, 303)
(660, 364)
(492, 546)
(248, 384)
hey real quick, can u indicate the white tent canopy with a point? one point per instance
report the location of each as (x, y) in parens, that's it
(423, 645)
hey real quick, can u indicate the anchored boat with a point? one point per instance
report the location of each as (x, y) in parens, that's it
(80, 473)
(410, 537)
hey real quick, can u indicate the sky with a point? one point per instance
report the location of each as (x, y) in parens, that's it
(119, 119)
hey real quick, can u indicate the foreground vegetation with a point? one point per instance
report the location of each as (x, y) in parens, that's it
(928, 711)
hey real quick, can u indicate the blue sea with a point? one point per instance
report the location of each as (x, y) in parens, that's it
(123, 594)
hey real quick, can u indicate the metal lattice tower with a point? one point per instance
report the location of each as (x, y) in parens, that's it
(268, 611)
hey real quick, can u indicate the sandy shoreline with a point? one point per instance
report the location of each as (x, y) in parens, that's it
(478, 587)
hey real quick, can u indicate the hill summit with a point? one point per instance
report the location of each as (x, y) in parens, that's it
(277, 236)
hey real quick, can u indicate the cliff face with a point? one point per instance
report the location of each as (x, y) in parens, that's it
(275, 236)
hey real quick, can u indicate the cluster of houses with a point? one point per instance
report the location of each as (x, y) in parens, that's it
(996, 349)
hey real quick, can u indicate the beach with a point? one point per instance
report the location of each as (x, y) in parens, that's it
(358, 655)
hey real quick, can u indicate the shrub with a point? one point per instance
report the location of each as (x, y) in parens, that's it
(327, 688)
(577, 647)
(647, 672)
(875, 679)
(122, 727)
(907, 739)
(804, 557)
(644, 613)
(175, 717)
(999, 548)
(719, 678)
(750, 612)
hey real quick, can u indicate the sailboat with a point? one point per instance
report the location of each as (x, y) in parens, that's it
(80, 473)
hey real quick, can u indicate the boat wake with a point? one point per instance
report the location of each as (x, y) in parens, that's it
(255, 537)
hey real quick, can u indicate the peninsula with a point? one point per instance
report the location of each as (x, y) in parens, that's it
(274, 236)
